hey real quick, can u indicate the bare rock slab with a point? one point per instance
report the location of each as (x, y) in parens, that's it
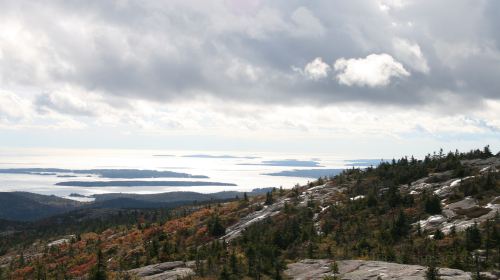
(163, 271)
(366, 270)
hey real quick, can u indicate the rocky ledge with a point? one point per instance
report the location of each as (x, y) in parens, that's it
(164, 271)
(367, 270)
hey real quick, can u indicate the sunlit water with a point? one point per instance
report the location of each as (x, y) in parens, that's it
(226, 170)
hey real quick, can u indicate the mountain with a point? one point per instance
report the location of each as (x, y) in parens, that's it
(407, 218)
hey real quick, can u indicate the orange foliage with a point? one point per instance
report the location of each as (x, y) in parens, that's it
(82, 269)
(22, 273)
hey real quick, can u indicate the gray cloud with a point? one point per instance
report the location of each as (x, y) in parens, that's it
(247, 50)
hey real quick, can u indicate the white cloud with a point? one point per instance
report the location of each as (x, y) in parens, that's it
(373, 71)
(66, 103)
(74, 102)
(410, 54)
(12, 107)
(387, 5)
(316, 69)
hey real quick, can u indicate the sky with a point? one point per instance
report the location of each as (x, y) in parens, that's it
(374, 78)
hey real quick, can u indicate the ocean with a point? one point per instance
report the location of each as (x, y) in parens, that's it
(28, 170)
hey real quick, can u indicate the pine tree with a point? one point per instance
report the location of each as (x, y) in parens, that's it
(234, 263)
(394, 197)
(269, 198)
(487, 151)
(400, 226)
(438, 234)
(99, 270)
(432, 272)
(335, 268)
(21, 260)
(472, 237)
(224, 275)
(477, 272)
(215, 226)
(433, 205)
(41, 273)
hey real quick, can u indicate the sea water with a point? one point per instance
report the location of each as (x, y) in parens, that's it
(241, 168)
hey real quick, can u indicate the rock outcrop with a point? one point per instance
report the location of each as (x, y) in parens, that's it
(164, 271)
(459, 214)
(366, 270)
(319, 194)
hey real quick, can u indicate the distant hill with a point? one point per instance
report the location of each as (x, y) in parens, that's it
(131, 203)
(170, 197)
(25, 206)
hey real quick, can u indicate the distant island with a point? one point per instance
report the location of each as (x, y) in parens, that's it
(364, 162)
(103, 173)
(141, 184)
(219, 156)
(77, 195)
(287, 162)
(307, 173)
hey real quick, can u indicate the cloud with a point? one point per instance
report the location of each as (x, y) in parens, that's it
(387, 5)
(410, 54)
(316, 69)
(373, 71)
(95, 61)
(13, 107)
(65, 103)
(306, 23)
(239, 70)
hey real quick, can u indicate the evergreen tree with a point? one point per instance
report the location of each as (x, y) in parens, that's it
(477, 272)
(432, 272)
(41, 273)
(335, 269)
(487, 152)
(234, 263)
(393, 196)
(21, 260)
(438, 234)
(269, 198)
(491, 181)
(215, 226)
(99, 270)
(472, 237)
(400, 227)
(433, 205)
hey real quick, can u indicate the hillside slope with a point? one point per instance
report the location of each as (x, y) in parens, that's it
(441, 211)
